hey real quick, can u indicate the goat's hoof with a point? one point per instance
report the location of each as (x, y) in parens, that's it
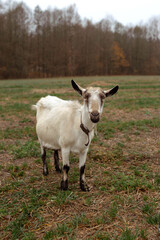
(64, 185)
(45, 172)
(84, 187)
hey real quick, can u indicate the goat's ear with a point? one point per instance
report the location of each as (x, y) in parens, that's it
(76, 87)
(112, 91)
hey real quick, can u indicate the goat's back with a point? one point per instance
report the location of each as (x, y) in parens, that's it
(49, 102)
(56, 120)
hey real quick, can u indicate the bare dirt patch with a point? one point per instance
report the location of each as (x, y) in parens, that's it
(99, 83)
(52, 91)
(131, 115)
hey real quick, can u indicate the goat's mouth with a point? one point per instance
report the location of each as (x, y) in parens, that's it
(95, 117)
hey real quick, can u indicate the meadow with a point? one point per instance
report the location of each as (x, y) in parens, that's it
(122, 168)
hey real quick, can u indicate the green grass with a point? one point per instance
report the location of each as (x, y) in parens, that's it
(28, 149)
(63, 197)
(154, 219)
(26, 210)
(109, 128)
(108, 215)
(15, 171)
(62, 230)
(132, 103)
(131, 182)
(18, 133)
(127, 235)
(15, 108)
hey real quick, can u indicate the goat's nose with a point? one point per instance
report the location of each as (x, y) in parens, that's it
(94, 116)
(95, 113)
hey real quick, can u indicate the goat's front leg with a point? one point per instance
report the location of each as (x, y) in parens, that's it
(45, 166)
(65, 158)
(82, 160)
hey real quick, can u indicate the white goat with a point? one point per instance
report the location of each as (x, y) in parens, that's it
(69, 126)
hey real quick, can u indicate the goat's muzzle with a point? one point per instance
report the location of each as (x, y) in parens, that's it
(95, 116)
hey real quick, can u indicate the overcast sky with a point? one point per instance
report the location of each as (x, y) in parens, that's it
(124, 11)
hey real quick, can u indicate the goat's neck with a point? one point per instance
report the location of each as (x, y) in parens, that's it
(86, 119)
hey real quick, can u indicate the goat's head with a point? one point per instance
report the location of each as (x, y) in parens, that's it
(94, 99)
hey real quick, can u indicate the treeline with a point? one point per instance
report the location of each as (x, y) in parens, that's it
(58, 42)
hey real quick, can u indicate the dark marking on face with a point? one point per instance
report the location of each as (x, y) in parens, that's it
(102, 97)
(86, 97)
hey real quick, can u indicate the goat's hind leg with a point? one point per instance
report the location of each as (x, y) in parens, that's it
(45, 166)
(56, 161)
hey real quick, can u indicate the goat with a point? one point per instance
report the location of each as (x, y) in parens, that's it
(69, 126)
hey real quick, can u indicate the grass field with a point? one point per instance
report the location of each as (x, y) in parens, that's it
(122, 169)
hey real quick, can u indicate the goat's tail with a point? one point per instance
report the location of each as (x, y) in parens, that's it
(47, 102)
(39, 104)
(34, 107)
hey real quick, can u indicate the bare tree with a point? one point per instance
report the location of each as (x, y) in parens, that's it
(58, 42)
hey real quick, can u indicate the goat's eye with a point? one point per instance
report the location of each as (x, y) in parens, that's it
(87, 95)
(102, 96)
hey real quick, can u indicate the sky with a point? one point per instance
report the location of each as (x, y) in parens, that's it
(124, 11)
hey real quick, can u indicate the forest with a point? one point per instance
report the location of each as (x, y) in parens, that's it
(58, 42)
